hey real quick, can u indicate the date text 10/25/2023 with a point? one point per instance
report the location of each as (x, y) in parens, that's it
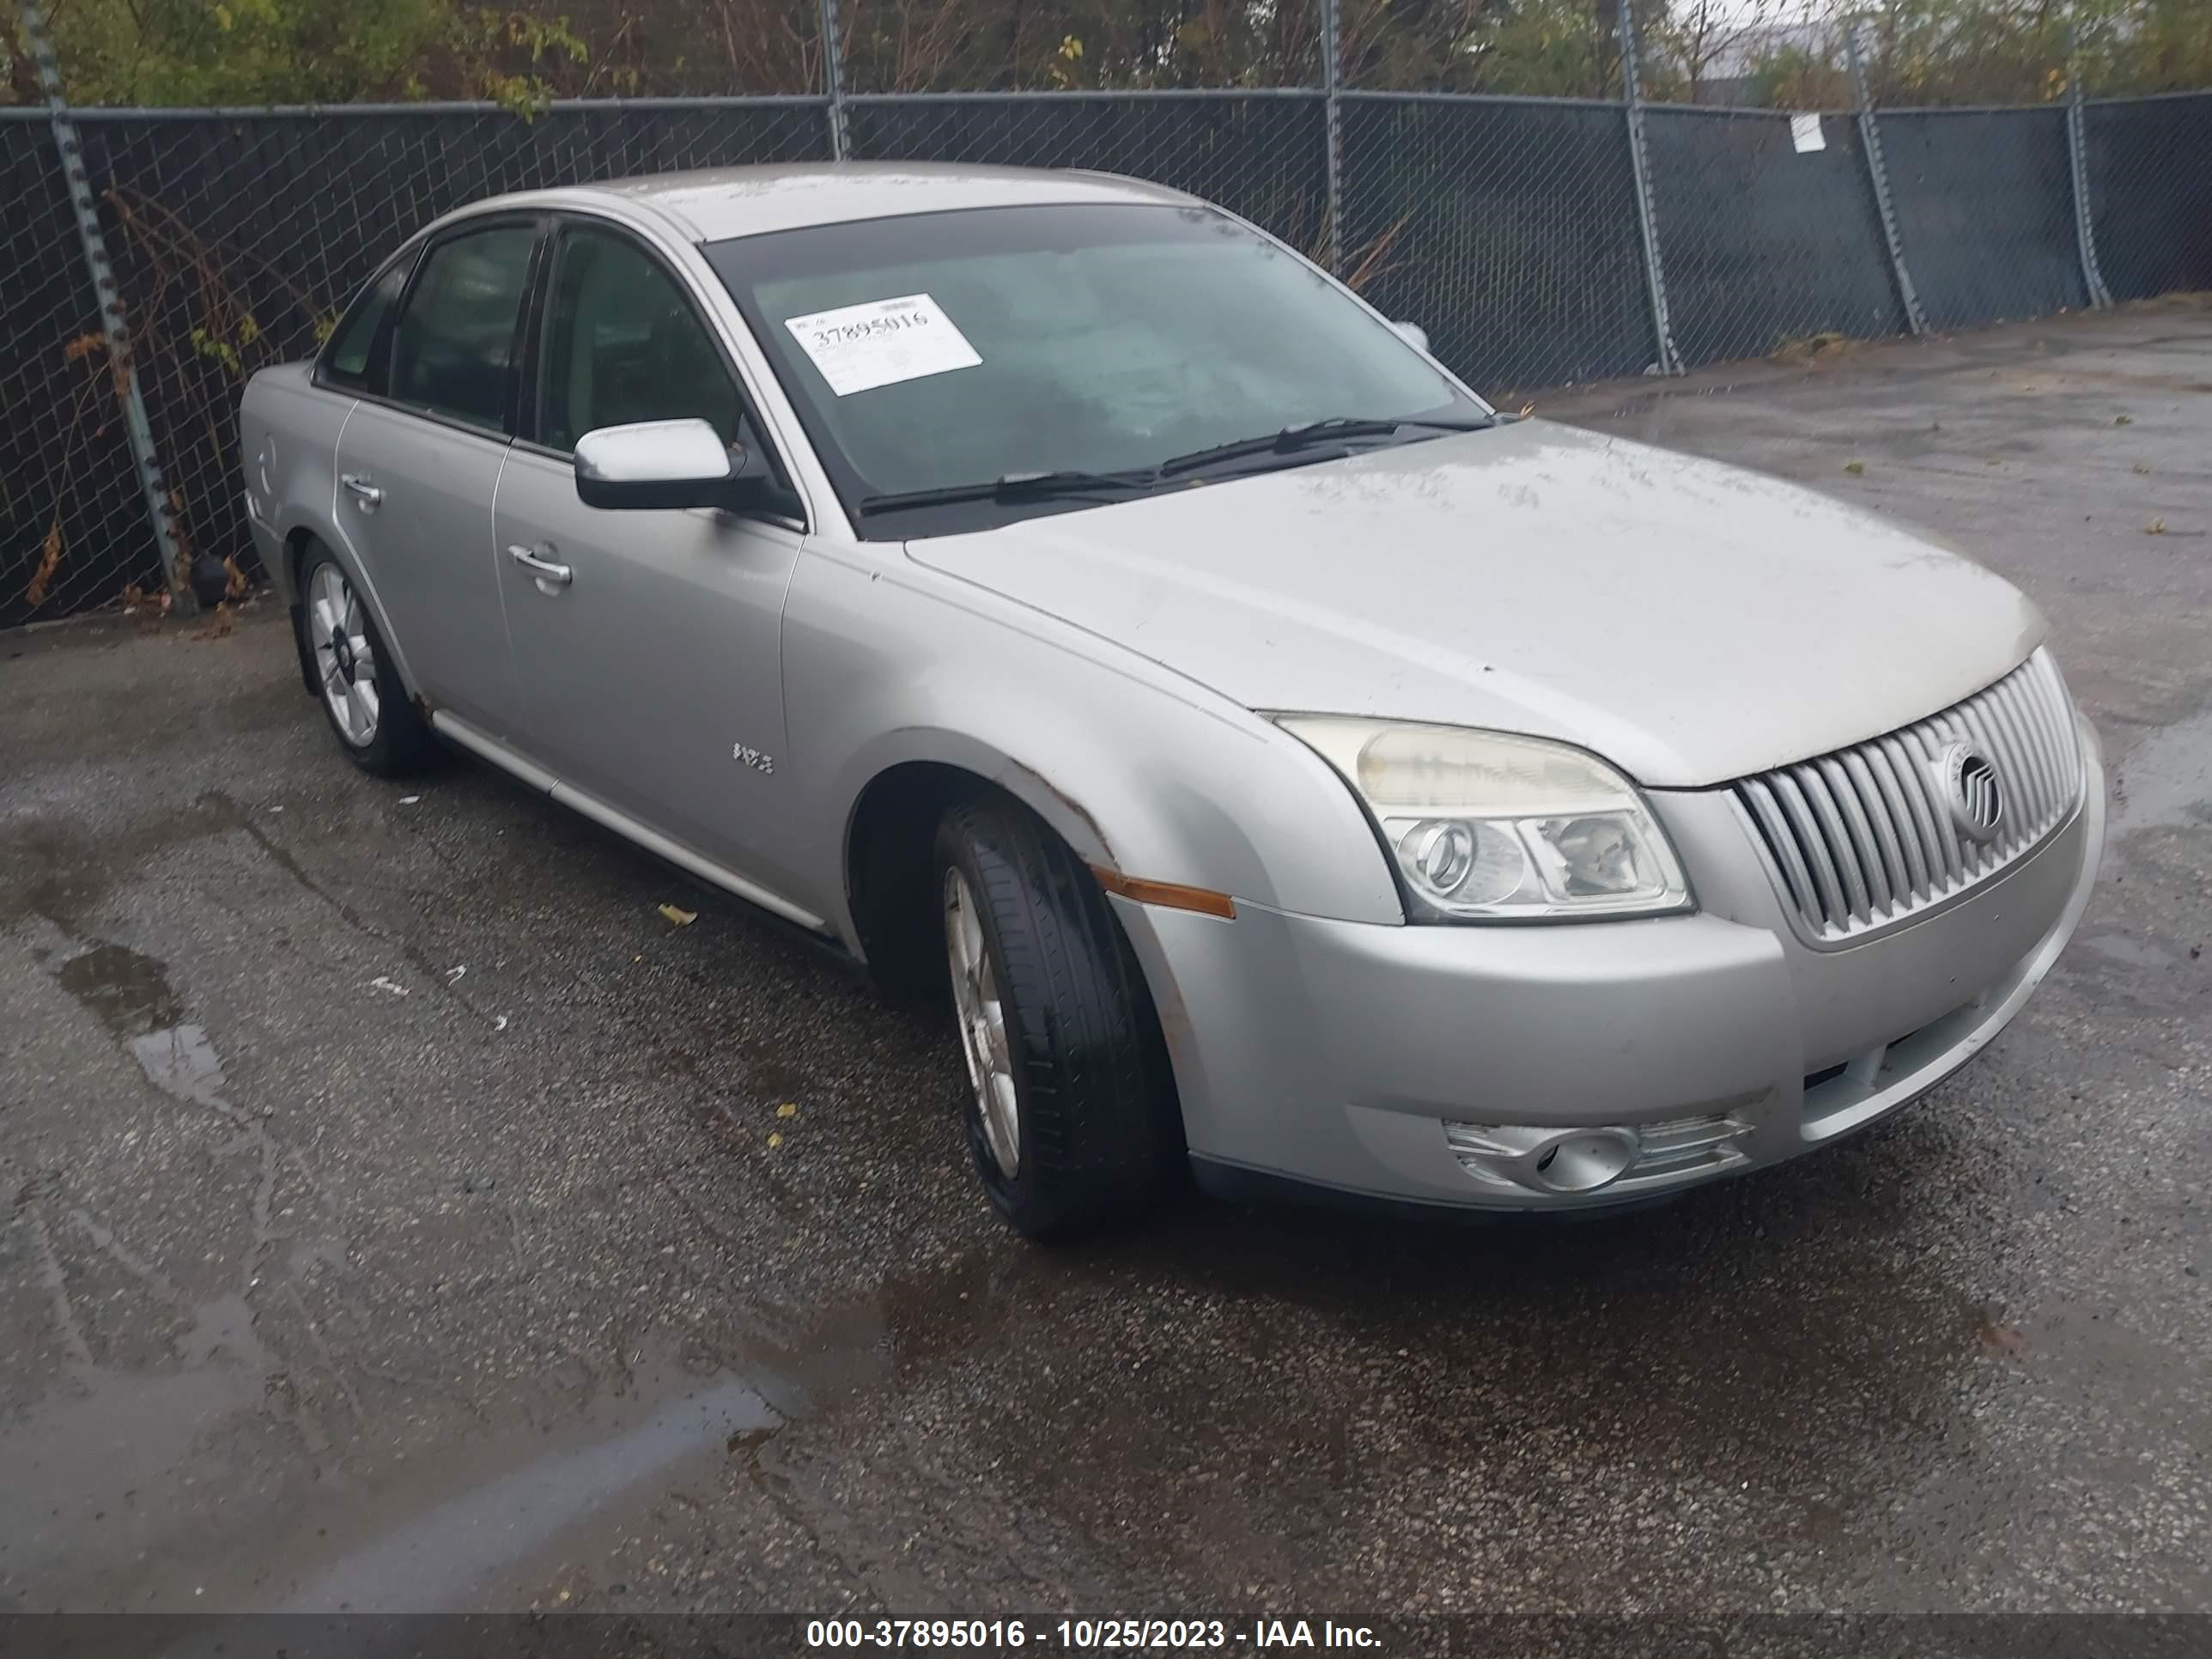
(1088, 1635)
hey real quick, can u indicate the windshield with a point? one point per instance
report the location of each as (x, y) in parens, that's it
(950, 351)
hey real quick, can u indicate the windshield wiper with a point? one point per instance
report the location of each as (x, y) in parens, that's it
(1063, 485)
(1293, 439)
(1012, 487)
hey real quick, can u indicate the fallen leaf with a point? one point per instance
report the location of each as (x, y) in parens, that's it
(681, 918)
(775, 1141)
(2123, 419)
(2001, 1338)
(2141, 469)
(1855, 468)
(2155, 527)
(787, 1111)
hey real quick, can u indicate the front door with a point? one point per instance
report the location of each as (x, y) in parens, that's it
(651, 676)
(418, 467)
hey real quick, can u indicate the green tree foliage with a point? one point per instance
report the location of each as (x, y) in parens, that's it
(1781, 52)
(242, 52)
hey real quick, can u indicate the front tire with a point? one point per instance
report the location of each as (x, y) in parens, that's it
(1072, 1115)
(353, 677)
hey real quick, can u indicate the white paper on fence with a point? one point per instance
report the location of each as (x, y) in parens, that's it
(885, 341)
(1805, 133)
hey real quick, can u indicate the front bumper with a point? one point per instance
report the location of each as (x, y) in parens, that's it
(1342, 1055)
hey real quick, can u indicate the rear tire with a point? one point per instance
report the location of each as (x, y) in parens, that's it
(1072, 1115)
(353, 676)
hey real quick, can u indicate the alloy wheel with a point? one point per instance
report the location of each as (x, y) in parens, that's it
(345, 663)
(982, 1016)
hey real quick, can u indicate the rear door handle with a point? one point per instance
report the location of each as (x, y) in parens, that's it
(550, 575)
(358, 482)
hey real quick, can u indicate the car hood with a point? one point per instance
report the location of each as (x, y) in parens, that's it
(1690, 621)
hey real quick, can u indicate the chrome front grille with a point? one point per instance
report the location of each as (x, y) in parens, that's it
(1865, 837)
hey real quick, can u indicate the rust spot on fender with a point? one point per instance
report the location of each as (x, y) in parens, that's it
(1016, 769)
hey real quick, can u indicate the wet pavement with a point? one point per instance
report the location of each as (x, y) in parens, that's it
(404, 1214)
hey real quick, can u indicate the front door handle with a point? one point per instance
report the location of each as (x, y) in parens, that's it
(550, 575)
(358, 482)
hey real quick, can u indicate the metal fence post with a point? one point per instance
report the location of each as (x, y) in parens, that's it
(1654, 275)
(2077, 154)
(1332, 51)
(833, 83)
(1870, 142)
(121, 367)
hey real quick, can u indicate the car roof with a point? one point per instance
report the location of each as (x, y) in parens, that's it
(715, 203)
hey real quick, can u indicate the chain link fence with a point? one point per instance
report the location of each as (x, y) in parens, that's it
(2150, 191)
(73, 527)
(1986, 205)
(1763, 242)
(1510, 227)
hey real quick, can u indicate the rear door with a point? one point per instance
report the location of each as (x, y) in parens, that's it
(419, 463)
(652, 676)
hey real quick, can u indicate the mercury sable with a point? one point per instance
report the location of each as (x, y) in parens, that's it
(1051, 589)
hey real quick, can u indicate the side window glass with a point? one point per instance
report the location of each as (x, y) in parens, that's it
(450, 353)
(622, 344)
(347, 361)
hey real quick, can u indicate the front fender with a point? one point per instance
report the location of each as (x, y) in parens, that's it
(1138, 769)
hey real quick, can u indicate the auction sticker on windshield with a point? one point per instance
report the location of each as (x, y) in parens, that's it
(881, 343)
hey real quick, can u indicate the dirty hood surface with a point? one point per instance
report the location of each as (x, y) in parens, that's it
(1691, 621)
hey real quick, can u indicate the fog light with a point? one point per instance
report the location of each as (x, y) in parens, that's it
(1546, 1159)
(1585, 1161)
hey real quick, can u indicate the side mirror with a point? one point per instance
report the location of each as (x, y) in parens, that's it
(1413, 334)
(662, 463)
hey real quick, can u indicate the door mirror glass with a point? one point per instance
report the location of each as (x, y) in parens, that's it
(1413, 334)
(661, 464)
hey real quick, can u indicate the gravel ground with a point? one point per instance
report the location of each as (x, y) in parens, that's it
(435, 1252)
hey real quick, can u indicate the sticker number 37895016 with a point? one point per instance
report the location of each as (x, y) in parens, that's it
(858, 348)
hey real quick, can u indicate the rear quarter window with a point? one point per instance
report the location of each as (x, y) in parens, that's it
(354, 356)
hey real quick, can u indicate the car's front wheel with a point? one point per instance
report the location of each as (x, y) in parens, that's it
(354, 675)
(1072, 1115)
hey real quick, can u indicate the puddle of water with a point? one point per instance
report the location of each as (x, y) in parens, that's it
(179, 1060)
(132, 996)
(433, 1561)
(131, 1453)
(2168, 778)
(112, 1455)
(129, 993)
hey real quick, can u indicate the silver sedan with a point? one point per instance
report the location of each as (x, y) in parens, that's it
(1052, 590)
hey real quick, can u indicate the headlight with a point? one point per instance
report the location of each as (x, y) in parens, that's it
(1489, 826)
